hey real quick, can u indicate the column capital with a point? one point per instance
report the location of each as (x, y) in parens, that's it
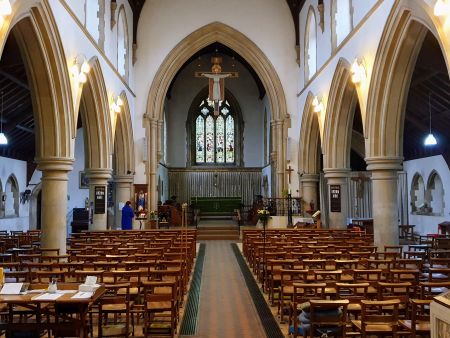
(123, 178)
(384, 163)
(98, 173)
(55, 164)
(336, 172)
(309, 178)
(276, 123)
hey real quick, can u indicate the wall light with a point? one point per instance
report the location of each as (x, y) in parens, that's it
(5, 8)
(80, 68)
(358, 71)
(317, 105)
(116, 104)
(441, 8)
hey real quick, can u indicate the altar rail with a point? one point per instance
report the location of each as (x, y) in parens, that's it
(280, 206)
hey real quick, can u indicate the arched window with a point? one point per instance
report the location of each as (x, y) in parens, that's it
(11, 197)
(122, 44)
(341, 21)
(310, 45)
(417, 194)
(435, 194)
(215, 139)
(95, 20)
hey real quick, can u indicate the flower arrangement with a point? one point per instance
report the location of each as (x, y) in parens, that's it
(263, 215)
(153, 214)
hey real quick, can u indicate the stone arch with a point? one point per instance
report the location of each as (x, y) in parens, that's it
(394, 64)
(417, 193)
(434, 194)
(40, 45)
(122, 22)
(337, 133)
(310, 142)
(241, 44)
(123, 141)
(12, 199)
(96, 117)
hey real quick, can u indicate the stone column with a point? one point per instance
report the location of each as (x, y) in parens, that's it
(279, 167)
(309, 186)
(338, 220)
(153, 163)
(384, 196)
(54, 202)
(124, 189)
(98, 177)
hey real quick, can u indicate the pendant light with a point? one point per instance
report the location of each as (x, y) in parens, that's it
(430, 140)
(3, 139)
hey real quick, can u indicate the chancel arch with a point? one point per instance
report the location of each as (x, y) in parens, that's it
(407, 26)
(226, 35)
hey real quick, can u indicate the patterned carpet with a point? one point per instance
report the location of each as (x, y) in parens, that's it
(226, 307)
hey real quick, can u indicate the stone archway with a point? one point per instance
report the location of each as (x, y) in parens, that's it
(97, 125)
(401, 41)
(123, 159)
(37, 36)
(241, 44)
(309, 154)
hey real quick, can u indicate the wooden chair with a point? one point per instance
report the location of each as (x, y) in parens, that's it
(354, 293)
(116, 302)
(328, 317)
(378, 318)
(160, 307)
(419, 324)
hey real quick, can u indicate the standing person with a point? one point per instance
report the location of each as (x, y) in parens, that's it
(127, 216)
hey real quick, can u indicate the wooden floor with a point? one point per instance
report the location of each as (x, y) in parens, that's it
(226, 307)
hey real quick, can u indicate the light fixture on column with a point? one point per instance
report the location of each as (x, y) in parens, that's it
(430, 140)
(80, 68)
(317, 105)
(441, 8)
(358, 71)
(3, 139)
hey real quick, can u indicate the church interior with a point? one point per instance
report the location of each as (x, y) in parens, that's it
(204, 168)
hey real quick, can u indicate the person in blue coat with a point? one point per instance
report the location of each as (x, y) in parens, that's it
(127, 216)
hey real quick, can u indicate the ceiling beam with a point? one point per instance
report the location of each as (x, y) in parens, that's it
(23, 128)
(14, 79)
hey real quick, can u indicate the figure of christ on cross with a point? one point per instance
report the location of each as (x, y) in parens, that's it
(216, 82)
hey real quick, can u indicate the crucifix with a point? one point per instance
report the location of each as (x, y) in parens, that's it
(289, 170)
(216, 82)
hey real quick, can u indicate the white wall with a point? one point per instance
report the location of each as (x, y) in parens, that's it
(17, 168)
(186, 88)
(425, 166)
(163, 24)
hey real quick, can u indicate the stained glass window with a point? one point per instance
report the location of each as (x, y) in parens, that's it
(230, 139)
(214, 135)
(200, 139)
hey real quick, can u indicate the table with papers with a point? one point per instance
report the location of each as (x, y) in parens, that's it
(62, 311)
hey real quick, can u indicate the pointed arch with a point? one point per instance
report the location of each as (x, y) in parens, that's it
(41, 48)
(123, 141)
(337, 133)
(310, 142)
(122, 42)
(12, 196)
(400, 44)
(241, 44)
(96, 117)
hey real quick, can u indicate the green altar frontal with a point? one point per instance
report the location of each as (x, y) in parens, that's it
(216, 206)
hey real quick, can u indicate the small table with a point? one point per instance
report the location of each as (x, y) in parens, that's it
(406, 231)
(62, 306)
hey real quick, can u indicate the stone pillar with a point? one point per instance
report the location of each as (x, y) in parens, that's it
(309, 186)
(98, 177)
(124, 189)
(279, 167)
(54, 202)
(153, 164)
(338, 220)
(384, 196)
